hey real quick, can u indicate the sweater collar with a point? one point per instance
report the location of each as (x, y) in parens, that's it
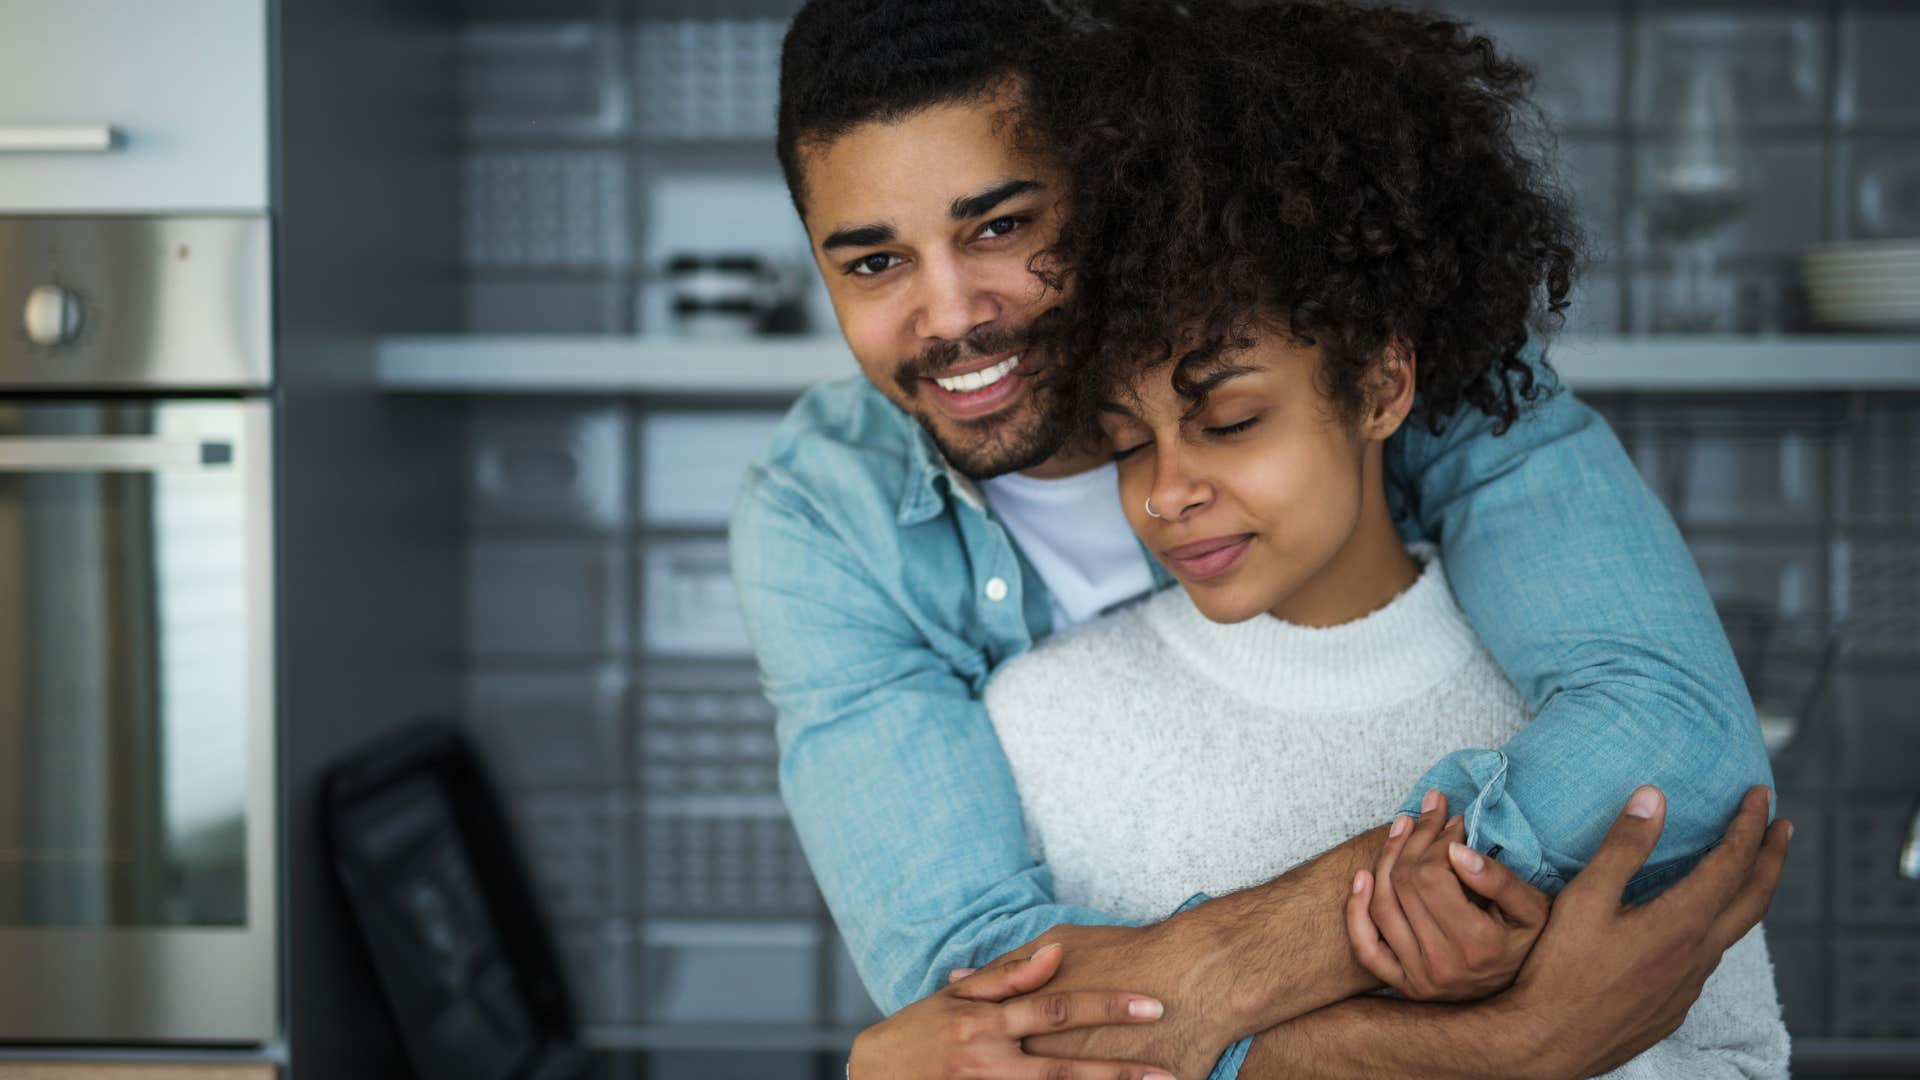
(1398, 652)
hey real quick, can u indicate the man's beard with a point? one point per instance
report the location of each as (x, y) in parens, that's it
(1032, 432)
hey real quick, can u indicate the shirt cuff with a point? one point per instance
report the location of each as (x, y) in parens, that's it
(1475, 783)
(1228, 1067)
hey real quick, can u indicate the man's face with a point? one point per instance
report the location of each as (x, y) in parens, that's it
(925, 230)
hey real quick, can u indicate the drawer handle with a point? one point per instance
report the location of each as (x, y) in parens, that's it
(111, 454)
(81, 139)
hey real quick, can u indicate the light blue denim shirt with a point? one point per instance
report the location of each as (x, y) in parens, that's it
(881, 595)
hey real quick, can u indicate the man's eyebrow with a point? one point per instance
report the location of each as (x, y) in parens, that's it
(973, 206)
(858, 236)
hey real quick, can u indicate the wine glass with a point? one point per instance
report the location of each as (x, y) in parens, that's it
(1695, 185)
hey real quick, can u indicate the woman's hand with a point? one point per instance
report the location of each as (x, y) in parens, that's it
(1415, 922)
(973, 1028)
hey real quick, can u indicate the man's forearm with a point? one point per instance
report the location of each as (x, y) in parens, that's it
(1239, 964)
(1369, 1037)
(1283, 944)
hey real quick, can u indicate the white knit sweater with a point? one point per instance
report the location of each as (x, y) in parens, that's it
(1159, 754)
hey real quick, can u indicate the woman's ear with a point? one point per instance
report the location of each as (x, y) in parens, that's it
(1390, 387)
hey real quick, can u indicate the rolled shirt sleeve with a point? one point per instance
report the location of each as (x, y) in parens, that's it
(1577, 580)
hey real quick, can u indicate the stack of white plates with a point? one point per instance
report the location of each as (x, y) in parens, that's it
(1869, 285)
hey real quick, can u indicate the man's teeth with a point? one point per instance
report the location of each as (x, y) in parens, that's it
(979, 380)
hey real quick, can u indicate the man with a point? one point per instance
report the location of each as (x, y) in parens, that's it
(908, 532)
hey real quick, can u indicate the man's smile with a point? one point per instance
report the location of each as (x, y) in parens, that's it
(978, 388)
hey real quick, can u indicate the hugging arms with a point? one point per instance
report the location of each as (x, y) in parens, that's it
(911, 821)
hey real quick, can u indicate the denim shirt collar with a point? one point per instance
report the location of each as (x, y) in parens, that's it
(923, 500)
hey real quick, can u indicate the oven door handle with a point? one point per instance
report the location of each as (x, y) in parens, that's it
(80, 139)
(112, 454)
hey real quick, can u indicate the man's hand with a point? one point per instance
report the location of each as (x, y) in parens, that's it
(973, 1029)
(1414, 922)
(1603, 983)
(1607, 981)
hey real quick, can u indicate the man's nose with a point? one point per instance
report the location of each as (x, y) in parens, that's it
(951, 304)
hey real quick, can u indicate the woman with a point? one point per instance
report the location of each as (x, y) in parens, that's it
(1296, 229)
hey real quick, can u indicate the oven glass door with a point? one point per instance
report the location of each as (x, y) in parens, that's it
(136, 716)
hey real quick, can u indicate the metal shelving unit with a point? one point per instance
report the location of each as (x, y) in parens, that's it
(572, 364)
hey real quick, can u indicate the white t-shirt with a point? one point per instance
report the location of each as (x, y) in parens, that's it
(1074, 533)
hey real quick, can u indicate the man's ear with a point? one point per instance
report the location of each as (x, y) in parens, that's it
(1390, 386)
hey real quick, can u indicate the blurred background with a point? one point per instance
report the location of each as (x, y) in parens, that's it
(540, 297)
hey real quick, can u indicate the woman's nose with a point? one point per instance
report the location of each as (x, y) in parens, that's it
(1177, 491)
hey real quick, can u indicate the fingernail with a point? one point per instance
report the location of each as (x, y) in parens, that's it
(1644, 802)
(1789, 830)
(1157, 1076)
(1432, 800)
(1044, 950)
(960, 973)
(1145, 1009)
(1467, 857)
(1360, 879)
(1399, 825)
(1452, 821)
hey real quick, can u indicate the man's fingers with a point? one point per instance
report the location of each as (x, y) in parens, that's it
(997, 981)
(1368, 948)
(1721, 873)
(1489, 879)
(957, 974)
(1037, 1068)
(1750, 904)
(1039, 1014)
(1623, 852)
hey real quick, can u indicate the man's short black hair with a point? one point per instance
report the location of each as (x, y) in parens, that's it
(851, 62)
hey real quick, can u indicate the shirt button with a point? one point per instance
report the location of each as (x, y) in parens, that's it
(996, 589)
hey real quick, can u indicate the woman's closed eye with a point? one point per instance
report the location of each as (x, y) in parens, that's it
(1234, 428)
(1126, 451)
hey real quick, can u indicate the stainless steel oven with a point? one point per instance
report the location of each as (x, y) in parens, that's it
(137, 704)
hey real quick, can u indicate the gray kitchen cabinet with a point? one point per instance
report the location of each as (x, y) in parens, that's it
(110, 107)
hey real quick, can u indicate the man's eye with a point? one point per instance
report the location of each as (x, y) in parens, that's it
(1234, 429)
(869, 265)
(1118, 454)
(999, 227)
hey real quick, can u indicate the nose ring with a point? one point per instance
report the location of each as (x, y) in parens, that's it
(1150, 512)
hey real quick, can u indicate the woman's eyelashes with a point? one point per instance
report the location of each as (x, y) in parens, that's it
(1221, 431)
(1234, 428)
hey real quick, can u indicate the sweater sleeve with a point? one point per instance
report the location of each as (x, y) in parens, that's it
(1734, 1032)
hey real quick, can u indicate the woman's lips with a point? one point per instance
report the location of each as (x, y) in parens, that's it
(1204, 559)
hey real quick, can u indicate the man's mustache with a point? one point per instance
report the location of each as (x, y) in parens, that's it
(937, 358)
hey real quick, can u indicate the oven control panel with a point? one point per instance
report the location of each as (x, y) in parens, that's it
(135, 303)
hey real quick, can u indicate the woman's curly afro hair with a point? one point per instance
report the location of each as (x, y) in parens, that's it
(1353, 175)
